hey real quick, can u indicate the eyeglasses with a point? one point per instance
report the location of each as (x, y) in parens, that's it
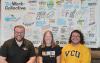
(19, 32)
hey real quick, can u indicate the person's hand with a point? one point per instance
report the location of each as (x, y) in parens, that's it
(3, 60)
(31, 60)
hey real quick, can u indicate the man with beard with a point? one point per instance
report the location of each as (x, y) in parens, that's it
(17, 49)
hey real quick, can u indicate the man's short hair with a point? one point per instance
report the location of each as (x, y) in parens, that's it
(19, 26)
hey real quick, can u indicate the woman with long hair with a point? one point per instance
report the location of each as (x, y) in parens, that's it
(48, 52)
(75, 51)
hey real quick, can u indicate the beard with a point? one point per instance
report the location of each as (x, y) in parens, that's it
(19, 39)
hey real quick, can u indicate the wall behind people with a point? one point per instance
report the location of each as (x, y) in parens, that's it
(59, 16)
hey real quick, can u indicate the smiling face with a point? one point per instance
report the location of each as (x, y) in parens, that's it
(48, 38)
(75, 38)
(19, 33)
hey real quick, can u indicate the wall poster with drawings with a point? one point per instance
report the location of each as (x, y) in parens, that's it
(59, 16)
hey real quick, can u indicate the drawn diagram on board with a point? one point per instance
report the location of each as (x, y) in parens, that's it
(59, 16)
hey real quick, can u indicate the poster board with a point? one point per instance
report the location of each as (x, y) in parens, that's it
(59, 16)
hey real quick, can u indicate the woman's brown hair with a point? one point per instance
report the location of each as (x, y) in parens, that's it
(81, 36)
(52, 41)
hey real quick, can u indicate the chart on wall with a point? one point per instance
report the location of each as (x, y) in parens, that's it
(59, 16)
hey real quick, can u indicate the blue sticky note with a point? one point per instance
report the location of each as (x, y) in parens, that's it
(61, 21)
